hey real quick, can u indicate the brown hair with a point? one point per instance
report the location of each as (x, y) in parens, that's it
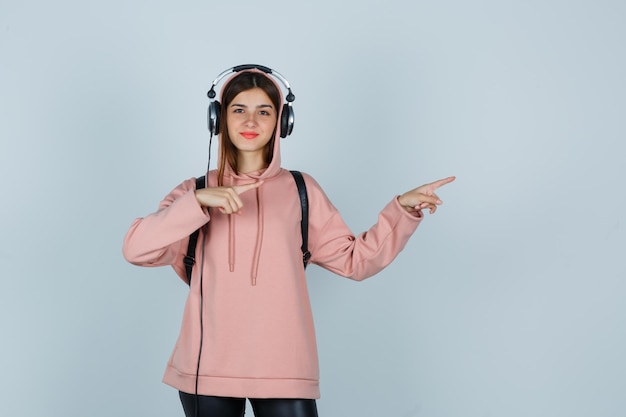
(243, 82)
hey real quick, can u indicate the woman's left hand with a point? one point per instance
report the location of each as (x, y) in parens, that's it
(423, 197)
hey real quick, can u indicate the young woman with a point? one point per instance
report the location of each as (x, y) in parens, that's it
(247, 328)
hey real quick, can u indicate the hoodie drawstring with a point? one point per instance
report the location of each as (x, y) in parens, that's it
(259, 236)
(231, 243)
(231, 239)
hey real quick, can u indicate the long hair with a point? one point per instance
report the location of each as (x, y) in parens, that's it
(243, 82)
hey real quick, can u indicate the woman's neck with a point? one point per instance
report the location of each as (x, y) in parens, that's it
(247, 162)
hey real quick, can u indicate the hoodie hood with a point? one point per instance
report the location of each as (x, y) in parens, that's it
(230, 177)
(233, 178)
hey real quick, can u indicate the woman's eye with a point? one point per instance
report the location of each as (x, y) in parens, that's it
(238, 111)
(264, 113)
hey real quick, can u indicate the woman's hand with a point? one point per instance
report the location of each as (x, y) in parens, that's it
(423, 197)
(226, 199)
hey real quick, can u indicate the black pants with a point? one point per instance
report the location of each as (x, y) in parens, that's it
(235, 407)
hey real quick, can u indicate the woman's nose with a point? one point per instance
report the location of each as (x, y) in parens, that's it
(251, 120)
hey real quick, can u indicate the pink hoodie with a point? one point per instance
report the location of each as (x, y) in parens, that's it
(258, 338)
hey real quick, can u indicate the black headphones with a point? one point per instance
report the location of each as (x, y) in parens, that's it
(287, 115)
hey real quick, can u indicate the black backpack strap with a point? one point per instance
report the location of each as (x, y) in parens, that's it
(304, 224)
(190, 259)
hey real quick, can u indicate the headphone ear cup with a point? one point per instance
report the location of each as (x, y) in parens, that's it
(286, 121)
(213, 117)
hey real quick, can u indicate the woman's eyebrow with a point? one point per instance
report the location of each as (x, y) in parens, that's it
(260, 106)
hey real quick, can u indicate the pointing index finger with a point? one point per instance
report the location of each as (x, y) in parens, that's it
(442, 182)
(240, 189)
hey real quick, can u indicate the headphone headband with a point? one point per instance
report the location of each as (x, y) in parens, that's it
(290, 97)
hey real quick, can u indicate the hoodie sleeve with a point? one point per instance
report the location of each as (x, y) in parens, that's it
(334, 247)
(161, 238)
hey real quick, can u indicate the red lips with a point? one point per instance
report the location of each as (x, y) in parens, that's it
(249, 135)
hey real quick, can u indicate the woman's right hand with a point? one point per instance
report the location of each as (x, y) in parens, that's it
(226, 199)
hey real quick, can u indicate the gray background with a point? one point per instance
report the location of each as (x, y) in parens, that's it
(509, 301)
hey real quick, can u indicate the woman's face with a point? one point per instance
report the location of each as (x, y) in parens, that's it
(251, 120)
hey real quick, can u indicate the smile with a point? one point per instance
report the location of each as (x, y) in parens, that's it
(249, 135)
